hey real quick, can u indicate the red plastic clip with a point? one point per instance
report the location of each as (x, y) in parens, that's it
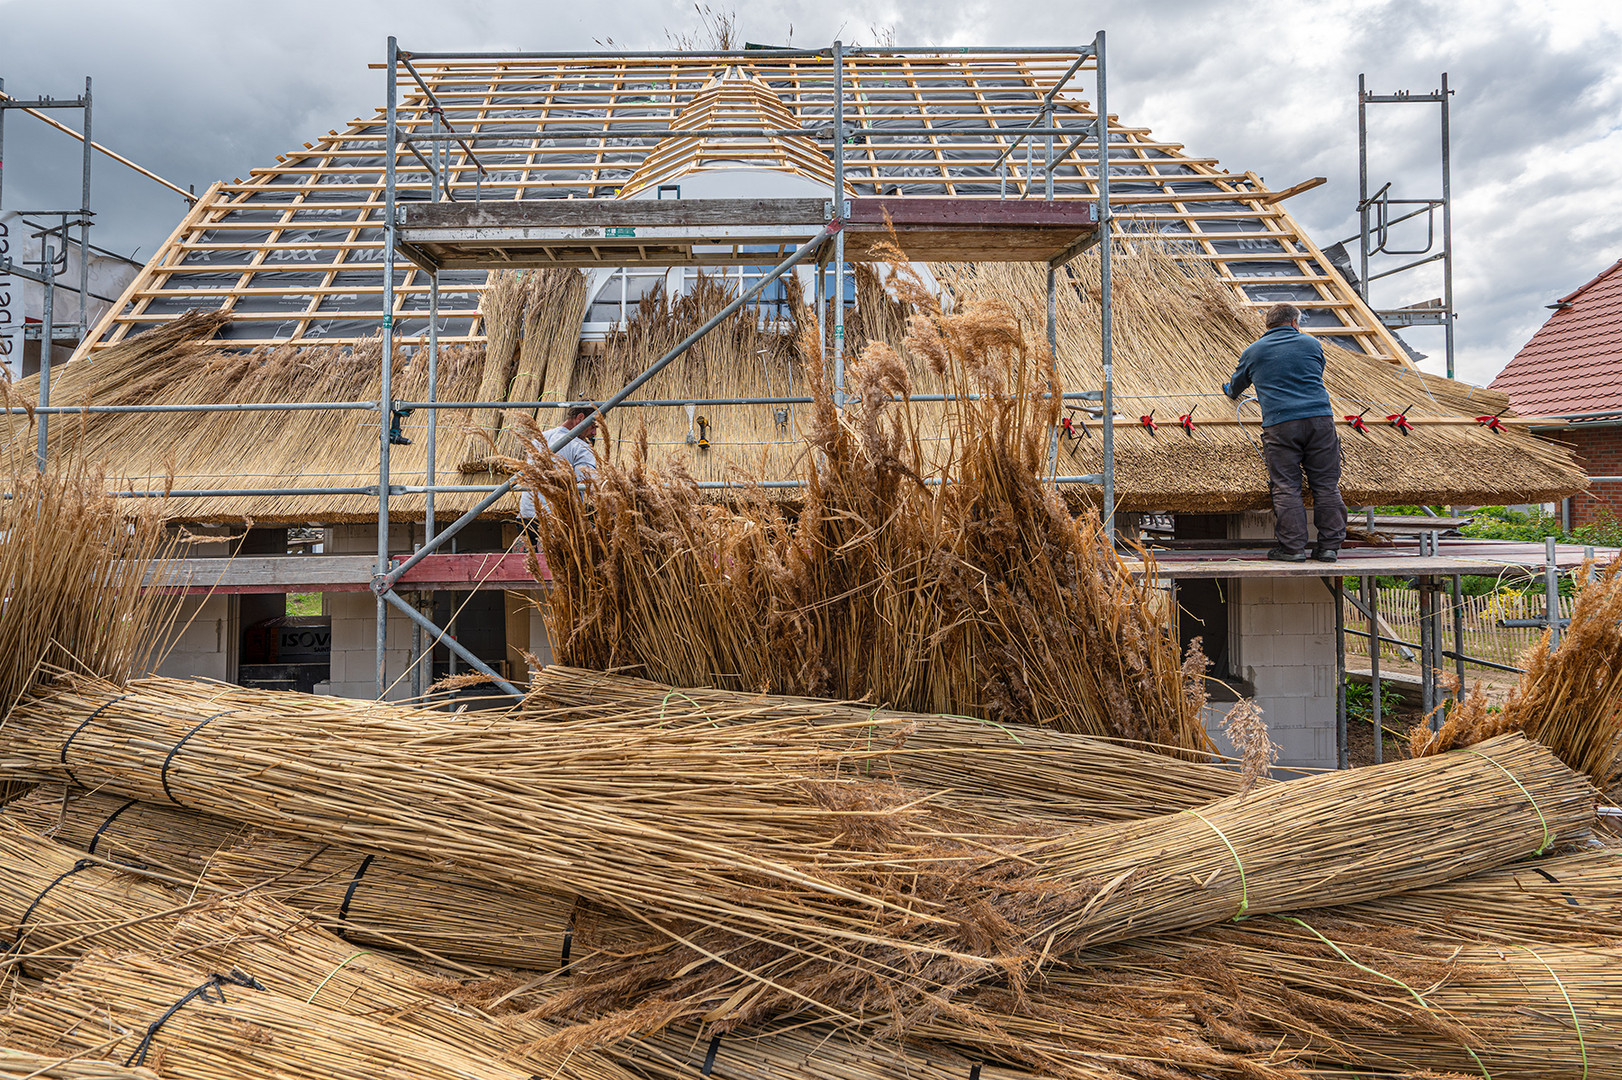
(1492, 422)
(1357, 423)
(1186, 422)
(1400, 421)
(1149, 422)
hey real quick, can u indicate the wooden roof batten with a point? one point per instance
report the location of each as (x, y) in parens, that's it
(287, 250)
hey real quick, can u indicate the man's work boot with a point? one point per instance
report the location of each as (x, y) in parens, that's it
(1326, 554)
(1279, 554)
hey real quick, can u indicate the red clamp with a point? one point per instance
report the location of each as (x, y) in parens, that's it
(1492, 422)
(1186, 421)
(1400, 421)
(1069, 430)
(1357, 423)
(1149, 422)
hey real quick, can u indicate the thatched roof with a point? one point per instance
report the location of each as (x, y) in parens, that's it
(1178, 332)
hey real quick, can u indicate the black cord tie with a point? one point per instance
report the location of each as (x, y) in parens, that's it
(164, 773)
(1551, 879)
(212, 991)
(974, 1071)
(568, 938)
(709, 1055)
(16, 945)
(62, 755)
(349, 893)
(95, 837)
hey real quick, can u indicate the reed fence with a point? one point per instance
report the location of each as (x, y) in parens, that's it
(1483, 637)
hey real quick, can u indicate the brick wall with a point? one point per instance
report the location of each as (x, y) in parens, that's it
(1601, 447)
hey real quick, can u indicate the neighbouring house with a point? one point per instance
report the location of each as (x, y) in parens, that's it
(1570, 373)
(270, 290)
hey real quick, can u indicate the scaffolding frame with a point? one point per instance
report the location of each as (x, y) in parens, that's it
(828, 243)
(1375, 221)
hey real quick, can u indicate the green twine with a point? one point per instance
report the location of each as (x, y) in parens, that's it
(1548, 840)
(333, 972)
(1382, 975)
(1582, 1047)
(1244, 894)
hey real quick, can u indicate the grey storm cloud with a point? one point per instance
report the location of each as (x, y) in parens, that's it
(203, 91)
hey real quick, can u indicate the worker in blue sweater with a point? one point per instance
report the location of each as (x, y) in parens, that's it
(1298, 434)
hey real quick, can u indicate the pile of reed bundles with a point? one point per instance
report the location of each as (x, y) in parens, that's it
(943, 585)
(860, 903)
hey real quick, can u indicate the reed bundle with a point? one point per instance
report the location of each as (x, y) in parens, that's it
(21, 1065)
(990, 769)
(1569, 699)
(979, 595)
(556, 303)
(506, 294)
(854, 893)
(72, 567)
(68, 910)
(370, 898)
(232, 1031)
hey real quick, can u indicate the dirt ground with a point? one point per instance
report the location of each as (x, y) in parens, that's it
(1398, 721)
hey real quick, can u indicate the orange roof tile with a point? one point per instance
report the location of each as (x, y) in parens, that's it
(1573, 364)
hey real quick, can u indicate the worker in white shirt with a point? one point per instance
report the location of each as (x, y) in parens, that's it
(578, 452)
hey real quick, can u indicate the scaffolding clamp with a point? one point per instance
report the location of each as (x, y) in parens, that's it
(1400, 421)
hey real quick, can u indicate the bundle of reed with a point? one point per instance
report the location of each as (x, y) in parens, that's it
(1568, 899)
(1569, 699)
(980, 766)
(506, 294)
(67, 909)
(370, 898)
(819, 892)
(226, 1026)
(980, 594)
(21, 1065)
(72, 568)
(1178, 330)
(1324, 992)
(556, 302)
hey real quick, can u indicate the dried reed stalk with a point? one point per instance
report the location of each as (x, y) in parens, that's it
(839, 895)
(21, 1065)
(1569, 699)
(981, 595)
(506, 295)
(972, 764)
(72, 568)
(556, 303)
(370, 898)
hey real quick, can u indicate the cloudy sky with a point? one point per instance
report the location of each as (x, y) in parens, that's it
(202, 91)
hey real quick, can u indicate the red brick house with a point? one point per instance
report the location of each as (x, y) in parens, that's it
(1571, 372)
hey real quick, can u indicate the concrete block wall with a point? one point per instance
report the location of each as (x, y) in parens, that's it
(354, 648)
(203, 644)
(1284, 645)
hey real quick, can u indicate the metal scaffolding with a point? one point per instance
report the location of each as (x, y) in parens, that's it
(827, 243)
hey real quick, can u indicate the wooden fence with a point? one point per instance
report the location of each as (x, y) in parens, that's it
(1483, 637)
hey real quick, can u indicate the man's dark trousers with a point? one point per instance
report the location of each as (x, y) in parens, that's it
(1311, 446)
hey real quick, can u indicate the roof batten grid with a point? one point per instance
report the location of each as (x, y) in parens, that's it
(931, 121)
